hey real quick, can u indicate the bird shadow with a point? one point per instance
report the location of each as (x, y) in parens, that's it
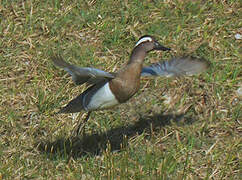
(116, 138)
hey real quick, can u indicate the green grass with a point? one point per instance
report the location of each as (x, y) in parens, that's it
(197, 135)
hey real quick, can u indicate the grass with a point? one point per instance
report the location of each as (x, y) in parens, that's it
(195, 135)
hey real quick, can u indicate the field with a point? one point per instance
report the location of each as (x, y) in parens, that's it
(173, 128)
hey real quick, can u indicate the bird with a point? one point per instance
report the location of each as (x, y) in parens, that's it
(107, 90)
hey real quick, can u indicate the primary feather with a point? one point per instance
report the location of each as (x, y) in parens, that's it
(81, 75)
(182, 66)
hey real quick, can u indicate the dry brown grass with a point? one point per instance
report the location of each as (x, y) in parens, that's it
(188, 128)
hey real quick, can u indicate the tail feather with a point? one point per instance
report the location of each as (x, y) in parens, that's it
(75, 105)
(184, 66)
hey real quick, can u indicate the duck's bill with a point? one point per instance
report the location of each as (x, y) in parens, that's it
(159, 47)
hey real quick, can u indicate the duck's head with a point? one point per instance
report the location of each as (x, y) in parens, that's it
(148, 43)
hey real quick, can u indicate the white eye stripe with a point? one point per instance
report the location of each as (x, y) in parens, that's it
(143, 40)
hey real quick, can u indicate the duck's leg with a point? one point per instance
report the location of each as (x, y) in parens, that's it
(80, 127)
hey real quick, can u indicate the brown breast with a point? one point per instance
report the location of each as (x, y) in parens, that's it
(127, 82)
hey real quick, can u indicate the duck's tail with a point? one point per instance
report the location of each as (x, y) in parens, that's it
(75, 105)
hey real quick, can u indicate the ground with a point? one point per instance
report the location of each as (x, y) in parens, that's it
(177, 128)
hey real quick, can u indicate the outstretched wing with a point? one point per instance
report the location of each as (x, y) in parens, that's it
(182, 66)
(81, 75)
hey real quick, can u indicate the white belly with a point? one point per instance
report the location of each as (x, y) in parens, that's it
(102, 99)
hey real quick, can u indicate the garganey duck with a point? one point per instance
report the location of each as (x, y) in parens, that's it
(110, 89)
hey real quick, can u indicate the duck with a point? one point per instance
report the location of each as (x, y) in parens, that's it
(107, 90)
